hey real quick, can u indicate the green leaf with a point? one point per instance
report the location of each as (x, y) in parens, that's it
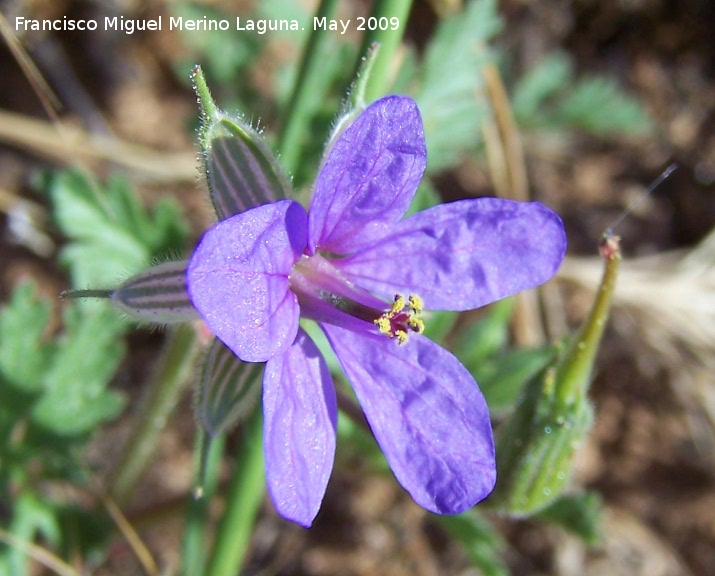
(502, 379)
(76, 399)
(226, 55)
(23, 357)
(578, 513)
(425, 197)
(111, 234)
(549, 76)
(548, 97)
(31, 517)
(317, 115)
(598, 105)
(481, 541)
(483, 339)
(451, 83)
(439, 324)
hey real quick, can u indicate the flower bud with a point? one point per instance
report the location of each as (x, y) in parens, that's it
(157, 295)
(536, 446)
(228, 391)
(241, 171)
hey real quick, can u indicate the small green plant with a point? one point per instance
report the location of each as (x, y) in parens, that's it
(55, 388)
(55, 382)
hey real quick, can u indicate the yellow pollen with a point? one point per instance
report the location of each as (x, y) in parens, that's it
(416, 324)
(401, 318)
(383, 325)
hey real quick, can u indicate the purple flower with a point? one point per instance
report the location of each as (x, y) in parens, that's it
(354, 265)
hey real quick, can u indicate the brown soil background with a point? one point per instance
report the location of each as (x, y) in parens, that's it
(651, 452)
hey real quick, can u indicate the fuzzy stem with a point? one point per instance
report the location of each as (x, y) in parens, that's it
(89, 293)
(163, 392)
(574, 374)
(206, 102)
(389, 40)
(243, 500)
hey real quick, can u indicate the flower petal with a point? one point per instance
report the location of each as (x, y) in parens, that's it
(463, 255)
(238, 279)
(369, 177)
(428, 416)
(300, 419)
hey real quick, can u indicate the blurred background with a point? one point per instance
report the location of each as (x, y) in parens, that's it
(577, 103)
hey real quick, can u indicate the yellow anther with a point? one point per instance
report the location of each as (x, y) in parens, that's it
(416, 324)
(415, 303)
(398, 322)
(383, 325)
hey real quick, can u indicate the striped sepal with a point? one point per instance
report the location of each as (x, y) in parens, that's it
(157, 295)
(229, 389)
(242, 173)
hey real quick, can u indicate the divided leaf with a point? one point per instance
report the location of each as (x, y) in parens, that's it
(75, 398)
(451, 83)
(548, 96)
(111, 233)
(23, 356)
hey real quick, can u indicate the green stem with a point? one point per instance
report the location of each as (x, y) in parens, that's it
(389, 40)
(243, 500)
(163, 392)
(208, 455)
(206, 102)
(302, 99)
(574, 373)
(89, 293)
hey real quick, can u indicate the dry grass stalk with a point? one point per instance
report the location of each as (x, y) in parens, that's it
(74, 146)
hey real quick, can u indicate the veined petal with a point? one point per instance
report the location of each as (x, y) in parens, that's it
(238, 279)
(369, 177)
(463, 255)
(428, 416)
(300, 419)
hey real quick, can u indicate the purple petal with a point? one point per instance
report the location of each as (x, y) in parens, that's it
(369, 177)
(463, 255)
(238, 279)
(300, 419)
(428, 416)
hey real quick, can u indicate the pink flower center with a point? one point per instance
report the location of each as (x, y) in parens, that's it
(325, 295)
